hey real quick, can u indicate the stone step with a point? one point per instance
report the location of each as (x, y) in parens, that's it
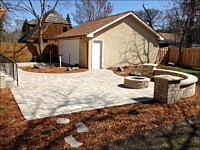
(72, 141)
(62, 120)
(81, 127)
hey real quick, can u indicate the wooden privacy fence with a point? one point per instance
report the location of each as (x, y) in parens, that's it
(190, 56)
(25, 52)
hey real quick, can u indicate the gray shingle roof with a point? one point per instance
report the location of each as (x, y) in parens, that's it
(53, 17)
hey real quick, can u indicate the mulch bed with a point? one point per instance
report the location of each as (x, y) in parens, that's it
(126, 70)
(52, 69)
(107, 124)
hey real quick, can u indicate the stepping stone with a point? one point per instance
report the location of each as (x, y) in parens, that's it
(81, 127)
(62, 120)
(72, 142)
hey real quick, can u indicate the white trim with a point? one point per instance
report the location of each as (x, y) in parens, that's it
(102, 53)
(133, 15)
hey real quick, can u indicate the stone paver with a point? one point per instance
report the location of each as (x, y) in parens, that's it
(62, 120)
(72, 141)
(81, 127)
(42, 95)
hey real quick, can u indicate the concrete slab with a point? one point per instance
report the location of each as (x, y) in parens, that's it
(53, 94)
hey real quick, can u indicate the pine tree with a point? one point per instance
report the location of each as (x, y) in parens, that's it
(68, 19)
(25, 27)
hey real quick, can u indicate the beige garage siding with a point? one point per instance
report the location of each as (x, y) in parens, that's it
(127, 43)
(83, 53)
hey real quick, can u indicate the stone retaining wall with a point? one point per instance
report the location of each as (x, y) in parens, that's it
(167, 88)
(187, 84)
(170, 86)
(148, 70)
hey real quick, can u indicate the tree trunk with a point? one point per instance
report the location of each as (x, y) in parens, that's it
(180, 55)
(40, 41)
(189, 39)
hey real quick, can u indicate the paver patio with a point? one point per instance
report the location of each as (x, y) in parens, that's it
(42, 95)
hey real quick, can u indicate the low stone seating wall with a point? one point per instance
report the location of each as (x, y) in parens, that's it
(187, 84)
(170, 86)
(167, 88)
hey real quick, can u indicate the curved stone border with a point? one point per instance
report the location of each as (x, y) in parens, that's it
(187, 85)
(136, 82)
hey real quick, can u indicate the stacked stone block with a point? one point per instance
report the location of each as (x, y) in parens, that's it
(136, 82)
(167, 88)
(148, 70)
(187, 90)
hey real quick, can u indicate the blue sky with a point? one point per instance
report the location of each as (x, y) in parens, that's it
(126, 5)
(119, 6)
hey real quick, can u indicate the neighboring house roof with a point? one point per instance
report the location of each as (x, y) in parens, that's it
(171, 37)
(2, 12)
(53, 18)
(90, 28)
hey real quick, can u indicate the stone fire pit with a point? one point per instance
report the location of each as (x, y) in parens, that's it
(136, 82)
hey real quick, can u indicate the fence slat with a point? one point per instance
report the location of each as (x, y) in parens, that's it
(190, 56)
(25, 52)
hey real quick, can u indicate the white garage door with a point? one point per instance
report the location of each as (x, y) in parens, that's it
(97, 55)
(69, 49)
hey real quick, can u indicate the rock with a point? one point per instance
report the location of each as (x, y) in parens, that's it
(69, 69)
(81, 127)
(120, 69)
(76, 65)
(170, 64)
(133, 112)
(135, 73)
(41, 65)
(72, 142)
(62, 120)
(74, 68)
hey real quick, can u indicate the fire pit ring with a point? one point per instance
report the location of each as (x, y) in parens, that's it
(136, 82)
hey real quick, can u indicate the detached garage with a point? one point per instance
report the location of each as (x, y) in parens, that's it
(119, 40)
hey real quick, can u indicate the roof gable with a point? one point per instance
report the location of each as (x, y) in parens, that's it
(90, 28)
(53, 17)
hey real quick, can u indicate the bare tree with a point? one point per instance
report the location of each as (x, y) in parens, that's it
(39, 9)
(153, 17)
(183, 19)
(44, 11)
(87, 10)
